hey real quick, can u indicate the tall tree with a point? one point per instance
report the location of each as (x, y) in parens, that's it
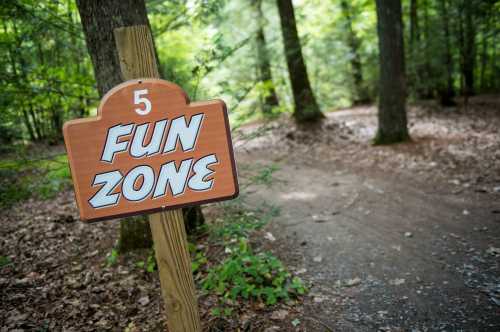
(269, 98)
(466, 37)
(306, 108)
(413, 48)
(392, 123)
(446, 92)
(99, 19)
(353, 42)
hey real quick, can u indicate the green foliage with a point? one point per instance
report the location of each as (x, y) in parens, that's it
(221, 312)
(4, 261)
(46, 73)
(265, 175)
(150, 264)
(24, 178)
(12, 189)
(112, 257)
(56, 176)
(243, 272)
(235, 224)
(198, 258)
(260, 276)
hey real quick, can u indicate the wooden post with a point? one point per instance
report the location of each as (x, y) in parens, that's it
(137, 60)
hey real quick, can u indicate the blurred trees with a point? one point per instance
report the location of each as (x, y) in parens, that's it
(268, 97)
(234, 49)
(46, 75)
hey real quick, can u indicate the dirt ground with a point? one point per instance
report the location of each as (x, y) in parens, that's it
(398, 238)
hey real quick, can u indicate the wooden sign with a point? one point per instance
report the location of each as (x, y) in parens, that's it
(150, 149)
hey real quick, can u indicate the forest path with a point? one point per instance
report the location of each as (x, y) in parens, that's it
(382, 249)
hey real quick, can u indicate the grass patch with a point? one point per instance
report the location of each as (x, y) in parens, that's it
(22, 178)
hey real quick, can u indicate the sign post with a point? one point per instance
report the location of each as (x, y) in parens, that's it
(151, 150)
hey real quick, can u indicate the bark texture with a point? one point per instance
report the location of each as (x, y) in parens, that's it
(99, 19)
(269, 98)
(306, 108)
(446, 92)
(392, 122)
(469, 51)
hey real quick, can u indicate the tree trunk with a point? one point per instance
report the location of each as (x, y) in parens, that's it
(493, 81)
(469, 49)
(28, 126)
(269, 98)
(306, 108)
(99, 19)
(413, 45)
(392, 123)
(446, 91)
(484, 54)
(360, 93)
(428, 77)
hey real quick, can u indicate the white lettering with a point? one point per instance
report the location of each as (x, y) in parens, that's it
(112, 145)
(148, 181)
(137, 148)
(201, 172)
(104, 197)
(177, 179)
(186, 134)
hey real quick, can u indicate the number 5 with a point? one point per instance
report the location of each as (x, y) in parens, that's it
(138, 99)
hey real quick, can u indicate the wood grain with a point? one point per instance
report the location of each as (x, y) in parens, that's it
(136, 53)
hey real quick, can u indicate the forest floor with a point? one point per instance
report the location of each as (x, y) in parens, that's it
(394, 238)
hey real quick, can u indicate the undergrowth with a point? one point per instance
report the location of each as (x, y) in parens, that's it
(22, 178)
(244, 272)
(224, 261)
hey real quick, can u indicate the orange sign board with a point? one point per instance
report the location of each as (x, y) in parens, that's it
(150, 149)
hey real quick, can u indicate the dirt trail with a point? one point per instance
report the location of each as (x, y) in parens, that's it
(382, 248)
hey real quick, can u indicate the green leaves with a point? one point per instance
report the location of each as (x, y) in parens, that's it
(112, 257)
(259, 276)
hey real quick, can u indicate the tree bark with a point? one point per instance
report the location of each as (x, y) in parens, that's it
(99, 19)
(413, 45)
(392, 123)
(269, 98)
(469, 48)
(306, 108)
(484, 54)
(446, 91)
(360, 93)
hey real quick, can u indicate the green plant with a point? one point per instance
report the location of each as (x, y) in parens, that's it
(4, 261)
(265, 175)
(221, 312)
(198, 258)
(22, 178)
(112, 257)
(150, 263)
(260, 276)
(236, 223)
